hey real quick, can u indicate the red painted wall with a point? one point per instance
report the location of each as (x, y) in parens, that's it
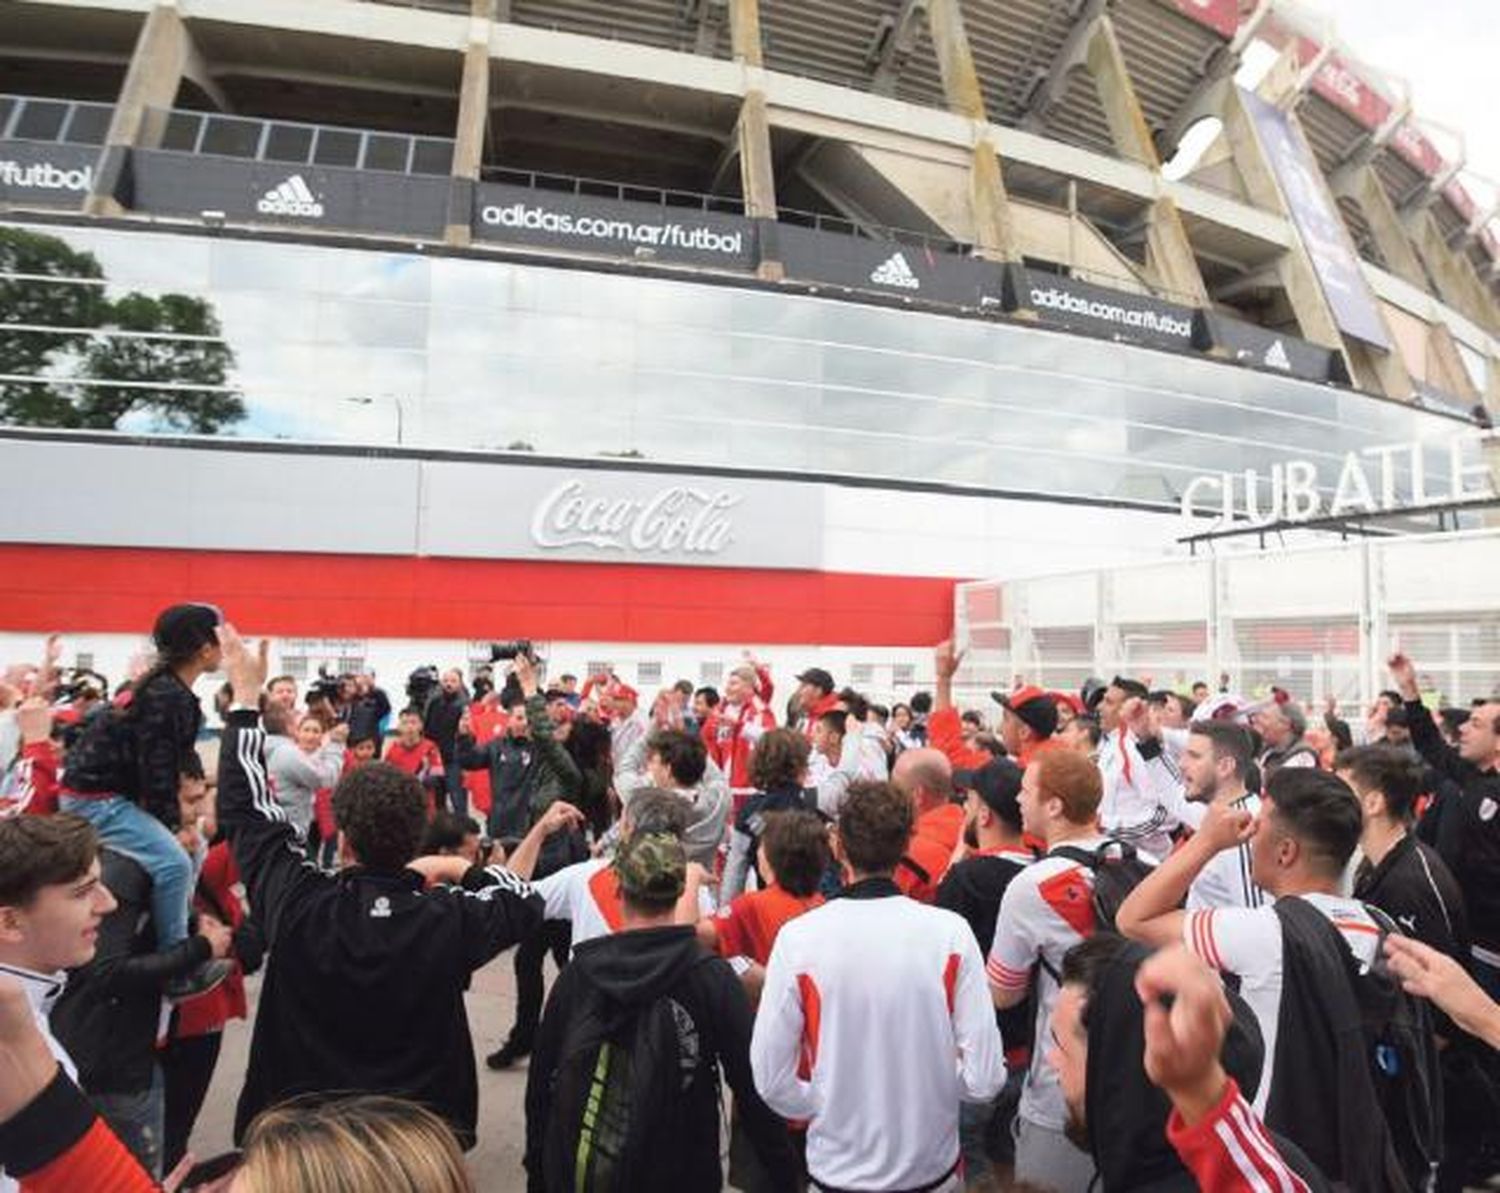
(121, 589)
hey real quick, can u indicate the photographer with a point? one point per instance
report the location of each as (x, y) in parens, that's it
(370, 709)
(549, 774)
(445, 709)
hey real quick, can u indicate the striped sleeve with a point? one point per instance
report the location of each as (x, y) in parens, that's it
(1244, 941)
(1015, 948)
(1229, 1151)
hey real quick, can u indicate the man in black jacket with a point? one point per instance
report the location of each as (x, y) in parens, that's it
(108, 1015)
(620, 978)
(445, 708)
(364, 989)
(1475, 841)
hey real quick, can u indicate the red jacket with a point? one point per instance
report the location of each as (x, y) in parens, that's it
(217, 897)
(488, 720)
(36, 781)
(731, 740)
(945, 733)
(933, 839)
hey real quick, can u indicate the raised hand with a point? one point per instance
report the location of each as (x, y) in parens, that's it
(246, 669)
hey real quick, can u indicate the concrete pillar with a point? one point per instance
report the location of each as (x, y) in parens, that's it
(163, 54)
(473, 119)
(994, 229)
(1170, 263)
(744, 32)
(1455, 276)
(1363, 186)
(753, 135)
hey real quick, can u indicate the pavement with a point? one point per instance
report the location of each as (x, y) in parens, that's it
(495, 1162)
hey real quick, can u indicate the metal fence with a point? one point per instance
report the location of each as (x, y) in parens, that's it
(1318, 621)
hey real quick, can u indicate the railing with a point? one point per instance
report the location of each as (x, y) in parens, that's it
(569, 184)
(295, 143)
(33, 118)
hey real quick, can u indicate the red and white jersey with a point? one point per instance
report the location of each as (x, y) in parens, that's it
(730, 733)
(874, 1023)
(1047, 909)
(587, 894)
(1248, 944)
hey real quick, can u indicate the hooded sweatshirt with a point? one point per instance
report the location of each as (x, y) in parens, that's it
(632, 969)
(1127, 1115)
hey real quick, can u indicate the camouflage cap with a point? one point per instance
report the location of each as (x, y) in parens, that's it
(652, 868)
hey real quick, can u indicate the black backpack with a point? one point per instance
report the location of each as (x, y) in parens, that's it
(624, 1079)
(1117, 870)
(1384, 1031)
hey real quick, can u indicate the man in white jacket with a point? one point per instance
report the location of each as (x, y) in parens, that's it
(881, 1105)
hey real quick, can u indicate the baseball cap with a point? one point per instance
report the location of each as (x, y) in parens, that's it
(652, 867)
(1092, 692)
(1069, 699)
(998, 784)
(1036, 709)
(818, 678)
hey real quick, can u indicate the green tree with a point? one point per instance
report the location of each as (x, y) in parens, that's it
(176, 373)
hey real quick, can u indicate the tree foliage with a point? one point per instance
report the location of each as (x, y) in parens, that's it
(45, 284)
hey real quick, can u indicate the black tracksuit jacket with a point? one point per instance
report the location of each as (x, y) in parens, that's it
(364, 988)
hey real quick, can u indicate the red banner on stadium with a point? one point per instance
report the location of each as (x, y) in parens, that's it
(1222, 16)
(1417, 150)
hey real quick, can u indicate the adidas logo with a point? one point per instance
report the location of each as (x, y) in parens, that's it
(1276, 357)
(895, 272)
(292, 197)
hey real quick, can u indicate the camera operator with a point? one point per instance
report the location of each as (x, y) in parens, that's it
(445, 708)
(370, 709)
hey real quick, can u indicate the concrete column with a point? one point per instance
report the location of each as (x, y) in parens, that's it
(1455, 276)
(1363, 186)
(163, 54)
(473, 119)
(1170, 262)
(744, 32)
(994, 229)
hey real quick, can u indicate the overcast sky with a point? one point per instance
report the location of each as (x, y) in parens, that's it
(1445, 50)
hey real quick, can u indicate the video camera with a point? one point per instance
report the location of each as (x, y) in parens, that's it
(420, 685)
(325, 687)
(505, 652)
(76, 685)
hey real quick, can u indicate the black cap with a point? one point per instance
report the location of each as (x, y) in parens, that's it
(1092, 692)
(1131, 687)
(1035, 708)
(818, 678)
(998, 784)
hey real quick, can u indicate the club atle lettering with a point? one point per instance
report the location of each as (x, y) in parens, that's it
(679, 519)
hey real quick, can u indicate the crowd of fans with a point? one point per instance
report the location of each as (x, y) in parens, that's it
(1115, 939)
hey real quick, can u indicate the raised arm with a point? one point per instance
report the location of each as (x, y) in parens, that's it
(1152, 913)
(264, 844)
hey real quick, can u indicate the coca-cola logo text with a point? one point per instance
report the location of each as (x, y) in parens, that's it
(679, 519)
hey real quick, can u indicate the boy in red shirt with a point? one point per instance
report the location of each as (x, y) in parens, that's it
(793, 856)
(419, 757)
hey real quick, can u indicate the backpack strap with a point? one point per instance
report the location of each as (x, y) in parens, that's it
(916, 867)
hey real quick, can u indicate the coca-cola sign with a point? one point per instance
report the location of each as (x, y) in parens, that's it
(685, 519)
(629, 515)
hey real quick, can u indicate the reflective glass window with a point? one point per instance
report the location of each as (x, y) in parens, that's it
(288, 143)
(336, 147)
(40, 120)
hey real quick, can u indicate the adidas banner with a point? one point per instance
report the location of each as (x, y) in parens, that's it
(39, 174)
(1110, 314)
(249, 192)
(613, 227)
(888, 267)
(1262, 348)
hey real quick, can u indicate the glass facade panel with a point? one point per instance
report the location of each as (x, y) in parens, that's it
(229, 137)
(289, 143)
(336, 148)
(430, 156)
(88, 124)
(341, 344)
(386, 152)
(40, 120)
(181, 132)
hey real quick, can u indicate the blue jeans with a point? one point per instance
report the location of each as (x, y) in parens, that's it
(139, 1120)
(140, 836)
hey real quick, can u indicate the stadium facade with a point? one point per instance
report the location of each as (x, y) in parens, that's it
(653, 328)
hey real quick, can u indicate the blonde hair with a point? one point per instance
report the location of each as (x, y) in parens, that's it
(352, 1145)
